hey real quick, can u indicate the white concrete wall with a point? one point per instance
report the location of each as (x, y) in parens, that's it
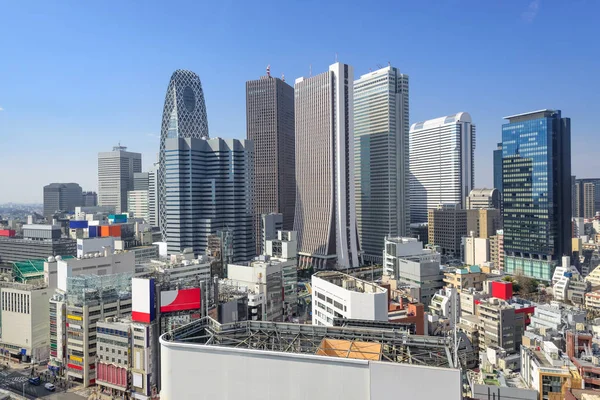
(190, 371)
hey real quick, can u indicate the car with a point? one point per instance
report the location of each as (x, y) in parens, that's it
(50, 387)
(35, 381)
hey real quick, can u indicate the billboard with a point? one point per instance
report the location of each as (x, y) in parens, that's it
(142, 303)
(73, 224)
(180, 300)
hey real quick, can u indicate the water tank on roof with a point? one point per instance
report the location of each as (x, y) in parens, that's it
(51, 259)
(185, 263)
(58, 258)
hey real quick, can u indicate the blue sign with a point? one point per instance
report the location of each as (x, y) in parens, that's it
(23, 352)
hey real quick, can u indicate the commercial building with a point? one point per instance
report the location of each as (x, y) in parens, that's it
(411, 265)
(556, 316)
(586, 197)
(138, 204)
(477, 251)
(325, 216)
(153, 175)
(497, 250)
(381, 158)
(210, 190)
(270, 224)
(90, 199)
(270, 125)
(24, 321)
(536, 178)
(364, 361)
(502, 326)
(498, 170)
(38, 241)
(115, 176)
(184, 116)
(264, 282)
(445, 304)
(74, 313)
(284, 248)
(61, 197)
(483, 198)
(338, 295)
(549, 372)
(126, 363)
(441, 163)
(447, 226)
(465, 278)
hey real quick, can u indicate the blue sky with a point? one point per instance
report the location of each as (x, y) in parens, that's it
(78, 77)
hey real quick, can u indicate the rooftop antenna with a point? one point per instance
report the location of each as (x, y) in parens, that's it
(283, 77)
(269, 70)
(379, 66)
(389, 64)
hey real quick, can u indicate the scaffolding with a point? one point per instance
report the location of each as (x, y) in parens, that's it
(397, 345)
(95, 289)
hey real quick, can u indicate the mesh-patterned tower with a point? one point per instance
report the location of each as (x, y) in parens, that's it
(184, 116)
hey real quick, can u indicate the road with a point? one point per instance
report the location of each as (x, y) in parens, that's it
(13, 380)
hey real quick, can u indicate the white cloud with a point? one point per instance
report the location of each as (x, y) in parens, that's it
(531, 12)
(1, 109)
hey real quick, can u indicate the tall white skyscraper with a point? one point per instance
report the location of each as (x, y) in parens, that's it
(441, 163)
(115, 176)
(381, 158)
(325, 216)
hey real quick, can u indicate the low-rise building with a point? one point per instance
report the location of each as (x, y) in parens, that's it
(445, 304)
(338, 295)
(447, 226)
(556, 316)
(410, 264)
(497, 250)
(592, 300)
(465, 278)
(477, 250)
(264, 280)
(545, 369)
(37, 242)
(284, 249)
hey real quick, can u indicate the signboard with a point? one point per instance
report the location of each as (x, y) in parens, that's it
(179, 300)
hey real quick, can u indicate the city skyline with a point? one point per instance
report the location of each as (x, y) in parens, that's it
(123, 100)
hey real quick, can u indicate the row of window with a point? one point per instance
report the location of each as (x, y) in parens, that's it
(16, 302)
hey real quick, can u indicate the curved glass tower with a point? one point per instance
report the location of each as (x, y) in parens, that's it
(184, 116)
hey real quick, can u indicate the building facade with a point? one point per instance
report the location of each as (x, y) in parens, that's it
(338, 295)
(184, 116)
(138, 204)
(115, 176)
(381, 158)
(210, 188)
(284, 248)
(270, 125)
(447, 227)
(586, 198)
(483, 198)
(90, 199)
(61, 197)
(536, 178)
(37, 242)
(325, 216)
(441, 163)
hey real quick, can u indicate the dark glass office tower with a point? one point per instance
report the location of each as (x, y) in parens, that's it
(536, 188)
(498, 168)
(270, 125)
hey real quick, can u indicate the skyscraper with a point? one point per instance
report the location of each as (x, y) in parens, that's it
(381, 159)
(115, 176)
(153, 194)
(441, 163)
(90, 199)
(61, 197)
(184, 116)
(209, 182)
(586, 197)
(325, 216)
(270, 125)
(536, 182)
(498, 171)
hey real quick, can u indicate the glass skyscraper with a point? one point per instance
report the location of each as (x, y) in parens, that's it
(536, 192)
(498, 168)
(184, 116)
(209, 189)
(381, 159)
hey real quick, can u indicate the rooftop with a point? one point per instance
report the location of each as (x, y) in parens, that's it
(349, 282)
(384, 344)
(441, 121)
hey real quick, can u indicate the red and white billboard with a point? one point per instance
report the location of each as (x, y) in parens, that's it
(180, 300)
(142, 302)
